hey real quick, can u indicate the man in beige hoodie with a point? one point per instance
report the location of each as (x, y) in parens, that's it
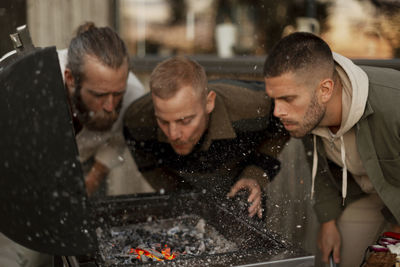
(349, 117)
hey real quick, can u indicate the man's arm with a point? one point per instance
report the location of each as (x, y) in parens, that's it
(262, 165)
(95, 176)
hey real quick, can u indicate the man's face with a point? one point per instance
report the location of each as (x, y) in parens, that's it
(296, 105)
(98, 99)
(183, 118)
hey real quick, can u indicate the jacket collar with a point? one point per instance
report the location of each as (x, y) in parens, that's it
(368, 111)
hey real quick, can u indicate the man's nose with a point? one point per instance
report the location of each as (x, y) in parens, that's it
(174, 131)
(279, 111)
(109, 104)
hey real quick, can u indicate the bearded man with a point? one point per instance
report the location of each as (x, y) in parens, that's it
(100, 87)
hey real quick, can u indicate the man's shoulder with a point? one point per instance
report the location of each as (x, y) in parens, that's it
(384, 90)
(383, 77)
(243, 100)
(139, 117)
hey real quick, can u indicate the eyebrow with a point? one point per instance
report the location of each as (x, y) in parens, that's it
(285, 97)
(180, 119)
(94, 92)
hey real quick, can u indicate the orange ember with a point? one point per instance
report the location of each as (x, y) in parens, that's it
(166, 252)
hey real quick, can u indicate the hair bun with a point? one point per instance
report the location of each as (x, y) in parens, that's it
(87, 26)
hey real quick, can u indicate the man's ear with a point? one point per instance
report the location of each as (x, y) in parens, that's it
(69, 80)
(210, 104)
(326, 90)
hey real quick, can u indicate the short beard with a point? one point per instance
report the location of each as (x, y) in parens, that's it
(312, 118)
(94, 121)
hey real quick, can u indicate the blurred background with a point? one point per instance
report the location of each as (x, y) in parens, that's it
(355, 28)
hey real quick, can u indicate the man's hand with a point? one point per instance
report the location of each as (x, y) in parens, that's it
(94, 177)
(255, 195)
(329, 240)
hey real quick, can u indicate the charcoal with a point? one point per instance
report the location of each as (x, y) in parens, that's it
(185, 236)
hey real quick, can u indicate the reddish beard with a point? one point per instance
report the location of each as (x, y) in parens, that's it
(101, 120)
(94, 121)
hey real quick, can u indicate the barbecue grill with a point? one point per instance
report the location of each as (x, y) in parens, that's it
(43, 200)
(256, 245)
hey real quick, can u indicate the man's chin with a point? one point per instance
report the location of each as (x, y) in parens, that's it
(100, 126)
(182, 150)
(296, 134)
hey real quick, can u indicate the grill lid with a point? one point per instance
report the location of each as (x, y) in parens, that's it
(43, 202)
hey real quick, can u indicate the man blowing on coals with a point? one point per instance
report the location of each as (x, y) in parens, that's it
(349, 116)
(208, 135)
(100, 88)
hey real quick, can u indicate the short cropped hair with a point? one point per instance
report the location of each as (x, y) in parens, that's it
(102, 43)
(169, 76)
(297, 52)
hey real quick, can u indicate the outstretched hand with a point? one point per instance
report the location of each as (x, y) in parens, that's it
(254, 197)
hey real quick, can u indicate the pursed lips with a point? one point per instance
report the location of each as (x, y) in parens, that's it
(288, 124)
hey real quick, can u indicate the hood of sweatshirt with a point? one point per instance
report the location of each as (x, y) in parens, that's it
(354, 98)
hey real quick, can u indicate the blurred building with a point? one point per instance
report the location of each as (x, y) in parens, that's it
(355, 28)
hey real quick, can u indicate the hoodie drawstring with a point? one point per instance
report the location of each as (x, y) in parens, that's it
(314, 167)
(344, 170)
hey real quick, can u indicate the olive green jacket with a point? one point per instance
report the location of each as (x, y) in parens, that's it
(378, 143)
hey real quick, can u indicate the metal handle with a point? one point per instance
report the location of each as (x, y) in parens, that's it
(70, 261)
(331, 261)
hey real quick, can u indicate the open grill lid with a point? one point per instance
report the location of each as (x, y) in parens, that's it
(43, 202)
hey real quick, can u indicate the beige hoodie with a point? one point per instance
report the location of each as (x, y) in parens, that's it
(341, 147)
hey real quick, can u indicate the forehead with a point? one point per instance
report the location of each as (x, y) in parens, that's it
(186, 102)
(102, 78)
(284, 85)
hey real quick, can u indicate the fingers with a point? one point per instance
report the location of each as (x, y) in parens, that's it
(254, 197)
(255, 192)
(325, 254)
(336, 254)
(235, 188)
(255, 208)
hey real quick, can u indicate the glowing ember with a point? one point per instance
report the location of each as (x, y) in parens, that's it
(162, 240)
(166, 253)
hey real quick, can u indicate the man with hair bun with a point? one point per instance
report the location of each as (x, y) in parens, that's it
(210, 136)
(100, 87)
